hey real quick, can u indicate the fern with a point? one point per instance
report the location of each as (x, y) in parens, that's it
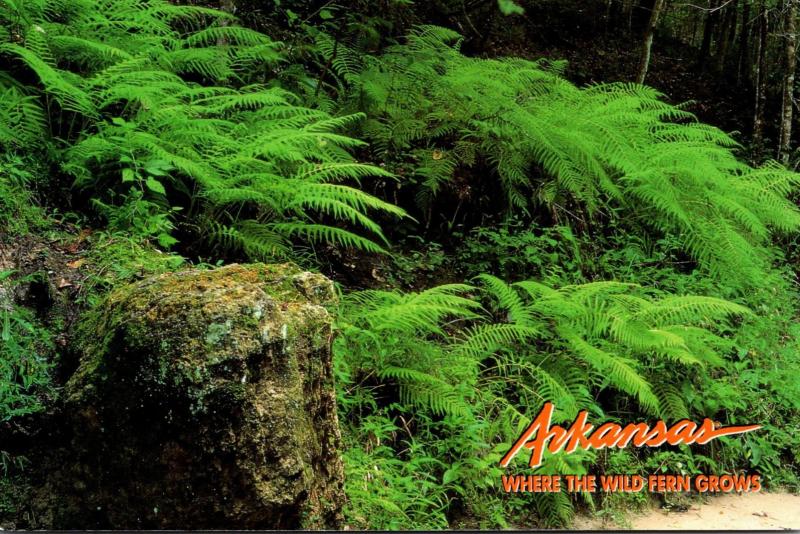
(547, 142)
(544, 344)
(603, 328)
(173, 110)
(399, 337)
(22, 121)
(491, 356)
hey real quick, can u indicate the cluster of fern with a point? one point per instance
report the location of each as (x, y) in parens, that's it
(24, 378)
(586, 155)
(613, 155)
(176, 102)
(490, 356)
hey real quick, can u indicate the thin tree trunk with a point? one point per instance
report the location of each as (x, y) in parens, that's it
(733, 26)
(728, 34)
(790, 28)
(719, 27)
(628, 12)
(760, 77)
(607, 16)
(744, 68)
(228, 6)
(647, 44)
(708, 33)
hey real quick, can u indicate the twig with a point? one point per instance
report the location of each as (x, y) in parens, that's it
(708, 9)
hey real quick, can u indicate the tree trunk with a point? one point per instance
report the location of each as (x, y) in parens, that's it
(647, 44)
(719, 26)
(790, 29)
(228, 6)
(708, 32)
(744, 68)
(627, 11)
(760, 77)
(727, 35)
(733, 26)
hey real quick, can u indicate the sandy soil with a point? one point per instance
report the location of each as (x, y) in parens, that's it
(748, 511)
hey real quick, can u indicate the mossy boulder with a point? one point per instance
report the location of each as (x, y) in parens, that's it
(203, 399)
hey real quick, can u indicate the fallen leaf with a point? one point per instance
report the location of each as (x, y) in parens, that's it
(63, 283)
(82, 236)
(76, 264)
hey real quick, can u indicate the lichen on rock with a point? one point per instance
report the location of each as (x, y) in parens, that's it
(203, 399)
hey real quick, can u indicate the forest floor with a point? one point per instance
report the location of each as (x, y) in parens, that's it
(747, 511)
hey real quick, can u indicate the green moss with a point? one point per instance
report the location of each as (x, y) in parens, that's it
(189, 321)
(217, 331)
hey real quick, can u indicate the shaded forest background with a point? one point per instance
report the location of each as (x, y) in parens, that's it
(592, 203)
(728, 58)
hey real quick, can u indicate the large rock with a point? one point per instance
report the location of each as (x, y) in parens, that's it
(203, 399)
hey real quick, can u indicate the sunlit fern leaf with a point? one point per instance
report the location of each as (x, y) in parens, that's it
(620, 371)
(253, 238)
(22, 120)
(673, 407)
(423, 389)
(483, 340)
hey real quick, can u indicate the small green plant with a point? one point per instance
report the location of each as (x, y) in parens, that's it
(24, 366)
(390, 491)
(140, 218)
(519, 250)
(617, 506)
(418, 264)
(19, 212)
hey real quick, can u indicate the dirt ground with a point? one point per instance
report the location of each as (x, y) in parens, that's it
(747, 511)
